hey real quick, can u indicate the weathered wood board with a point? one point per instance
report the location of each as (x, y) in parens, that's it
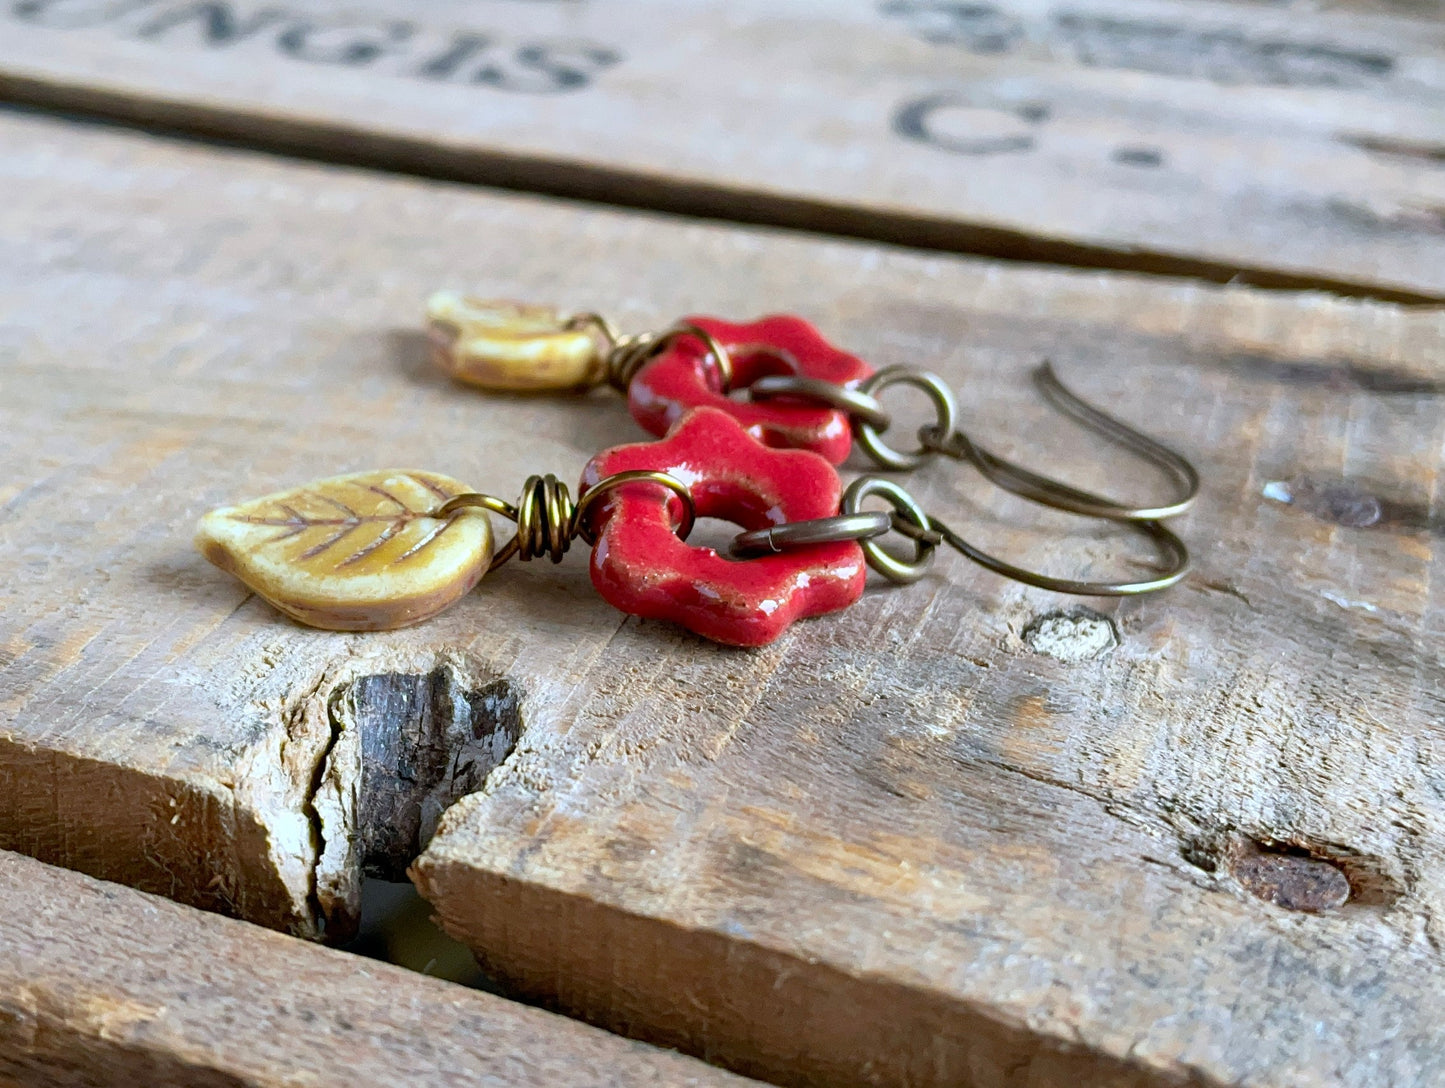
(957, 834)
(102, 985)
(1279, 144)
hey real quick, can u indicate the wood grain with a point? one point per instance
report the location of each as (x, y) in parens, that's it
(960, 833)
(1296, 146)
(102, 985)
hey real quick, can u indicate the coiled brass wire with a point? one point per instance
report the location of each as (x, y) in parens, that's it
(548, 519)
(627, 353)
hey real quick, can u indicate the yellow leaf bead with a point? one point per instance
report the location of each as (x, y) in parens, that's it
(353, 553)
(511, 346)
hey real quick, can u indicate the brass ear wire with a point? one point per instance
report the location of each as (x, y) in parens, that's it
(907, 518)
(871, 420)
(1061, 496)
(932, 532)
(910, 520)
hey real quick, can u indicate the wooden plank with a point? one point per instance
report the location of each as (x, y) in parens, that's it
(102, 985)
(1223, 140)
(1009, 843)
(929, 840)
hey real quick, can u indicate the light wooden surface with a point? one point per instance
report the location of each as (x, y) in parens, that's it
(102, 985)
(957, 834)
(1295, 144)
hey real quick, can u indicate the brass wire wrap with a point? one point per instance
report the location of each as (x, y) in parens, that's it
(628, 352)
(548, 519)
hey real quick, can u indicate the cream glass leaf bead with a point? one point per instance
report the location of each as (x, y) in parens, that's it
(353, 553)
(511, 346)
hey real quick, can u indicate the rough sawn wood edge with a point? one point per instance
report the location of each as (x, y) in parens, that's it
(117, 68)
(774, 1016)
(104, 985)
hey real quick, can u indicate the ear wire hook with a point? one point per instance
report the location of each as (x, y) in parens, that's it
(871, 420)
(1061, 496)
(1170, 547)
(907, 518)
(927, 532)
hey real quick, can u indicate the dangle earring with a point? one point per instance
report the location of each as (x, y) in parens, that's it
(802, 393)
(506, 346)
(378, 550)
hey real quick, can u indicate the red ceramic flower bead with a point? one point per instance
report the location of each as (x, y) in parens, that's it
(641, 567)
(681, 378)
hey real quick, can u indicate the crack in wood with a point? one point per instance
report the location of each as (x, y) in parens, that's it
(427, 740)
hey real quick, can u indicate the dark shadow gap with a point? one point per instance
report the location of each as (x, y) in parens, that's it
(428, 739)
(396, 927)
(342, 145)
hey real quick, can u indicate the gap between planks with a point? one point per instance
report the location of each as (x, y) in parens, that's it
(336, 144)
(103, 985)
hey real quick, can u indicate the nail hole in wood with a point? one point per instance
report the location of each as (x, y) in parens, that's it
(1072, 637)
(1291, 878)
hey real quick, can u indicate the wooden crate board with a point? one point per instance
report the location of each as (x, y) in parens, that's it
(102, 985)
(1279, 145)
(926, 841)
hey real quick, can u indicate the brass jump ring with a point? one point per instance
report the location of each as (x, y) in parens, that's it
(720, 357)
(859, 405)
(863, 525)
(905, 509)
(937, 391)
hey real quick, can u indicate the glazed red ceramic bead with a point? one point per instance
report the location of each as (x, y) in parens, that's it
(681, 378)
(641, 566)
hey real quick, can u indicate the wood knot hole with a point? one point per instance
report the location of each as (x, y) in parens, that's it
(427, 740)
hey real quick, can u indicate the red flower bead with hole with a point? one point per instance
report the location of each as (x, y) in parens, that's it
(640, 566)
(682, 378)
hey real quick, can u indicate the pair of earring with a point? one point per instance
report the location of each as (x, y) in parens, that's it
(379, 550)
